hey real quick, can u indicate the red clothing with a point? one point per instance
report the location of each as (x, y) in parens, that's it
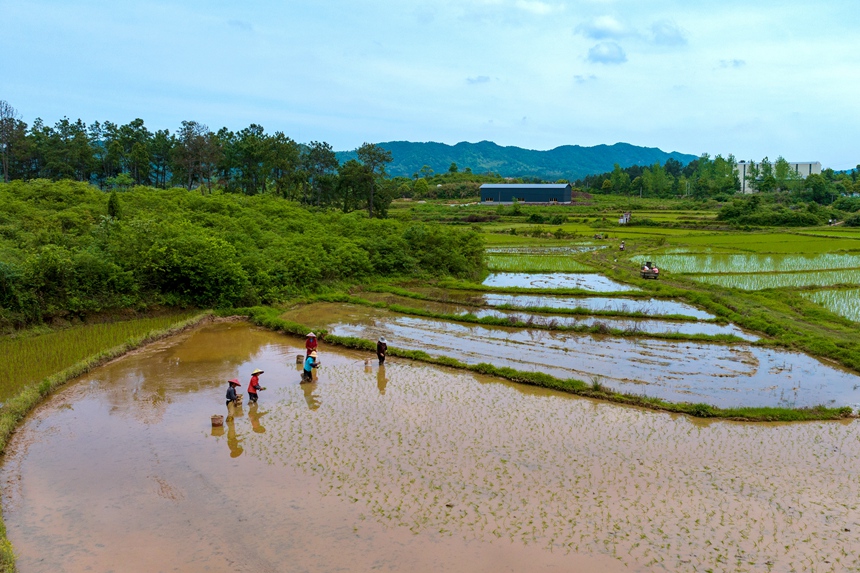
(310, 345)
(254, 385)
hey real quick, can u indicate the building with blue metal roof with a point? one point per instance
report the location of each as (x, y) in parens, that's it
(525, 193)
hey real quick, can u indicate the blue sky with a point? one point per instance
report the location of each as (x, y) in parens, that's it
(750, 78)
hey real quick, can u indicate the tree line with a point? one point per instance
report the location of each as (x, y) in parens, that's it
(249, 161)
(717, 178)
(68, 249)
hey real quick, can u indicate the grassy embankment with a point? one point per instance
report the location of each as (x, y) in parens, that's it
(269, 318)
(35, 364)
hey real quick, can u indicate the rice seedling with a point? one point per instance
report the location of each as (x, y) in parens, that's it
(28, 358)
(844, 302)
(781, 280)
(753, 263)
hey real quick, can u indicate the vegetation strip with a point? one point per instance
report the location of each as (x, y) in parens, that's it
(15, 409)
(268, 317)
(598, 328)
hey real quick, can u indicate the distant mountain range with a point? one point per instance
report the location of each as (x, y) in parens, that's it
(565, 162)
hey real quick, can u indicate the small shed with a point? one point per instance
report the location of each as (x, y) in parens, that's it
(525, 192)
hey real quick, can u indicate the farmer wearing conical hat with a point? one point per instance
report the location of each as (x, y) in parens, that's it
(381, 349)
(310, 343)
(232, 396)
(310, 364)
(254, 386)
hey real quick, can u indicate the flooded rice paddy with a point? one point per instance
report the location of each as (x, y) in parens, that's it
(407, 468)
(717, 374)
(584, 281)
(535, 263)
(779, 280)
(630, 325)
(652, 306)
(844, 302)
(754, 263)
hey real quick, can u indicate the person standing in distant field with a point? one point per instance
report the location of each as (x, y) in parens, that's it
(310, 343)
(254, 386)
(381, 349)
(232, 396)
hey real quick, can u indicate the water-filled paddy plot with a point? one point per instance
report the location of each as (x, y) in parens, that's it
(683, 371)
(584, 281)
(408, 467)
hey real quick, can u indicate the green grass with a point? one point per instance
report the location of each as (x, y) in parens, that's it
(28, 357)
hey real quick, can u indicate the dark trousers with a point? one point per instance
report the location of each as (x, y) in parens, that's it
(381, 358)
(252, 397)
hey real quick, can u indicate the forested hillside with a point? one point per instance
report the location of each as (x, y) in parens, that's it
(567, 162)
(67, 248)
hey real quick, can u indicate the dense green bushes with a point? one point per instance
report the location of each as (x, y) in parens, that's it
(60, 251)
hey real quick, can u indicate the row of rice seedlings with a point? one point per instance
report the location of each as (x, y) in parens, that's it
(780, 280)
(843, 302)
(534, 263)
(27, 359)
(749, 263)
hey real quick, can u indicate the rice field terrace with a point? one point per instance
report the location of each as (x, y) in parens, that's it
(534, 263)
(407, 467)
(582, 281)
(753, 263)
(759, 281)
(725, 376)
(549, 321)
(31, 356)
(844, 302)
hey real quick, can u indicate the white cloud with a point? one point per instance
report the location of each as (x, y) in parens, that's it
(478, 80)
(607, 53)
(602, 28)
(535, 7)
(580, 79)
(667, 33)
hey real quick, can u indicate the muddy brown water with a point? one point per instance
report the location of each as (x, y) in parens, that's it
(645, 325)
(651, 306)
(682, 371)
(585, 281)
(407, 468)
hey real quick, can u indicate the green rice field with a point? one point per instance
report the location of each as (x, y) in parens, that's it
(779, 280)
(787, 243)
(754, 263)
(31, 357)
(844, 302)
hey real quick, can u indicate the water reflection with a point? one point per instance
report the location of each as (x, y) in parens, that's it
(311, 398)
(233, 441)
(254, 415)
(381, 379)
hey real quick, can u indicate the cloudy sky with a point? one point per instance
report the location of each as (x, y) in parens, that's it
(754, 79)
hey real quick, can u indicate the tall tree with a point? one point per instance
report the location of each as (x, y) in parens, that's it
(374, 158)
(189, 152)
(320, 166)
(9, 134)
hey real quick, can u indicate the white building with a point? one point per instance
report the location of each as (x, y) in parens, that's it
(742, 168)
